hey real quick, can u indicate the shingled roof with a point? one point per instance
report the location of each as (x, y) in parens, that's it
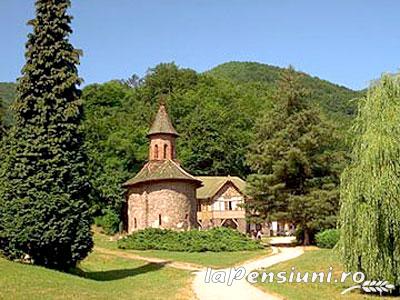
(157, 170)
(212, 185)
(162, 123)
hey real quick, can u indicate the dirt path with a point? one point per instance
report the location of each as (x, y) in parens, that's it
(173, 264)
(241, 289)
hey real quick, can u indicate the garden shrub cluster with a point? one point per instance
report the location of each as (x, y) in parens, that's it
(109, 222)
(214, 240)
(327, 238)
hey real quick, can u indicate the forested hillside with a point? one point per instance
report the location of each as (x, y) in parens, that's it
(214, 112)
(7, 91)
(7, 95)
(332, 97)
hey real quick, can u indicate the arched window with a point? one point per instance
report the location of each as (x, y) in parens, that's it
(156, 151)
(165, 150)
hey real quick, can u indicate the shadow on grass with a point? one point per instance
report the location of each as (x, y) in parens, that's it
(111, 275)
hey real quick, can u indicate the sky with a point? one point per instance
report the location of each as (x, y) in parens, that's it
(349, 42)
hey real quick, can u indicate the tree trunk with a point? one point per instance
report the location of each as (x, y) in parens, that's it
(306, 237)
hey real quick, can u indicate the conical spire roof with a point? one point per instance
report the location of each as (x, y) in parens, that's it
(162, 123)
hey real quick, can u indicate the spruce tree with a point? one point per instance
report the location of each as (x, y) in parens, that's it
(44, 213)
(370, 186)
(294, 177)
(2, 113)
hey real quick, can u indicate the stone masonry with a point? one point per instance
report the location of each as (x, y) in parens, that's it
(166, 204)
(162, 194)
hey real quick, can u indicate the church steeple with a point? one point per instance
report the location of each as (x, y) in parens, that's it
(162, 135)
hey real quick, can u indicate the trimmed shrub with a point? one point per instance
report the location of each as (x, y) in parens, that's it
(109, 222)
(214, 240)
(327, 238)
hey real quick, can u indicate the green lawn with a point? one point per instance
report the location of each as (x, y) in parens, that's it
(101, 277)
(314, 261)
(207, 259)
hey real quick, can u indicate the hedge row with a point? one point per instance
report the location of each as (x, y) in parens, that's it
(215, 240)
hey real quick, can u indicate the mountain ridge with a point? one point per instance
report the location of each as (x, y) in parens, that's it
(333, 97)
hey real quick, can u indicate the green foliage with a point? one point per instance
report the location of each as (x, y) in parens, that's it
(115, 141)
(334, 99)
(370, 186)
(2, 123)
(214, 240)
(295, 162)
(8, 92)
(215, 122)
(327, 238)
(247, 72)
(214, 116)
(43, 192)
(8, 95)
(109, 221)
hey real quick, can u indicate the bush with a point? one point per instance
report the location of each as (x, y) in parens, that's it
(327, 238)
(214, 240)
(109, 222)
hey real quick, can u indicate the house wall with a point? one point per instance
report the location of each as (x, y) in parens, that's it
(224, 206)
(172, 202)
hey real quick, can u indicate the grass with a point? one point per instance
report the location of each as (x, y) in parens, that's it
(314, 261)
(207, 259)
(100, 277)
(103, 276)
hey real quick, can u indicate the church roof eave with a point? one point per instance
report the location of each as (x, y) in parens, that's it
(161, 171)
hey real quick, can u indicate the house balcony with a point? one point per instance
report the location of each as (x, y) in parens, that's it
(221, 214)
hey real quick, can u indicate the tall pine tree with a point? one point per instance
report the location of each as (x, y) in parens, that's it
(370, 187)
(43, 209)
(2, 113)
(294, 177)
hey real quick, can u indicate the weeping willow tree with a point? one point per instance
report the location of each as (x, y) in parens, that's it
(370, 188)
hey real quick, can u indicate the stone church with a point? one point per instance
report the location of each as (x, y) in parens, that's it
(164, 195)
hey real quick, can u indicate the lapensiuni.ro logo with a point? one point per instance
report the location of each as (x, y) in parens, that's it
(358, 279)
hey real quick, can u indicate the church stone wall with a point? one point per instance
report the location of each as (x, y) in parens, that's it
(162, 147)
(171, 202)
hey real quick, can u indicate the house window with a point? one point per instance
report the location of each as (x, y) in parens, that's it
(156, 151)
(159, 220)
(235, 205)
(135, 223)
(219, 205)
(228, 205)
(165, 150)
